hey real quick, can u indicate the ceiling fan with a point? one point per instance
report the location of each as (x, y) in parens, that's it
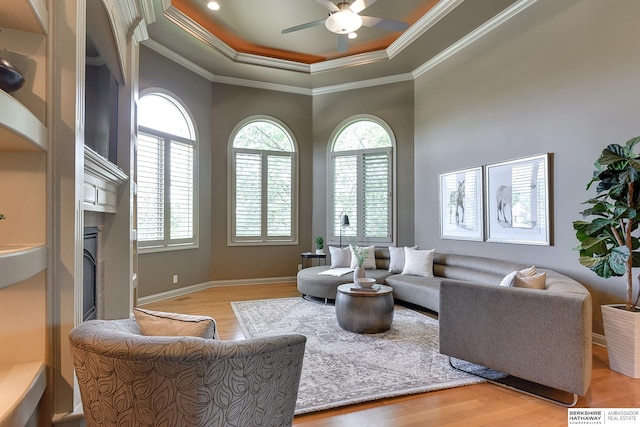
(344, 20)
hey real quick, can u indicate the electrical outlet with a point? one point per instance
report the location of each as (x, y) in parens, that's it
(299, 267)
(175, 279)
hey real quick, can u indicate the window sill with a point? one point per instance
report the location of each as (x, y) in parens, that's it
(263, 243)
(142, 250)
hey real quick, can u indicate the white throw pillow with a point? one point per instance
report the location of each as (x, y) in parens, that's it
(396, 259)
(418, 262)
(369, 262)
(340, 257)
(160, 323)
(508, 279)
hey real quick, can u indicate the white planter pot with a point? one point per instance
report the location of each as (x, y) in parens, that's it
(319, 252)
(622, 331)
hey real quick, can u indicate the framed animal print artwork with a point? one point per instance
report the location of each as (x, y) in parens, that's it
(461, 205)
(517, 200)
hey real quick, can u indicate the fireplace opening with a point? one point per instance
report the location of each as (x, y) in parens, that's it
(89, 275)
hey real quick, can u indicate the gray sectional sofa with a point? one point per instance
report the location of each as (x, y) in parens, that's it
(543, 336)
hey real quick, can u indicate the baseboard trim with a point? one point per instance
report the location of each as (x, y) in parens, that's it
(599, 339)
(212, 284)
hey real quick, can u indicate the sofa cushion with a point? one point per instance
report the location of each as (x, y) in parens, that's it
(340, 257)
(160, 323)
(418, 262)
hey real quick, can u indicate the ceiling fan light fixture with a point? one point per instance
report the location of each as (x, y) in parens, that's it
(352, 35)
(343, 22)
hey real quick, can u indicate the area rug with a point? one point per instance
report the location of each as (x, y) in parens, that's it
(342, 368)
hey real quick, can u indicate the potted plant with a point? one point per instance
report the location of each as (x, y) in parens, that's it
(319, 241)
(361, 253)
(610, 247)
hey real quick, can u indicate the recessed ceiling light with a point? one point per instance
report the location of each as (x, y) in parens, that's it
(353, 35)
(213, 5)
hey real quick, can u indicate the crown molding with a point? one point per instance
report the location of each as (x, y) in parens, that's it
(181, 60)
(349, 61)
(262, 85)
(396, 78)
(478, 33)
(199, 32)
(447, 6)
(428, 20)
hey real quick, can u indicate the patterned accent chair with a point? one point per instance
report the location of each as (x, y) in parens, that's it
(129, 379)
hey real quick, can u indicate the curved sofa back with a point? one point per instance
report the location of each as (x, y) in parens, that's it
(473, 268)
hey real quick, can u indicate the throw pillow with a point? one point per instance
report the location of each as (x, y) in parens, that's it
(530, 278)
(159, 323)
(418, 262)
(525, 278)
(369, 262)
(340, 257)
(396, 259)
(508, 279)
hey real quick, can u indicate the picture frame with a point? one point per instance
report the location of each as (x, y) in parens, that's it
(461, 213)
(517, 201)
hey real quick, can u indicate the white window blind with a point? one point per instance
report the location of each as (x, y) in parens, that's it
(377, 200)
(181, 191)
(248, 206)
(345, 194)
(150, 189)
(279, 196)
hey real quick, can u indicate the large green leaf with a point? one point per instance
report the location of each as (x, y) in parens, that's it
(618, 260)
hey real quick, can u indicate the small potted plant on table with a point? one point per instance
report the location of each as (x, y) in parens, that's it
(319, 241)
(610, 247)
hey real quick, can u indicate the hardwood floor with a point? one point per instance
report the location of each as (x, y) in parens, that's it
(476, 405)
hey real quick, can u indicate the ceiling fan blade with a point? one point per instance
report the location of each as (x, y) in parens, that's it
(329, 5)
(303, 26)
(385, 24)
(360, 5)
(343, 42)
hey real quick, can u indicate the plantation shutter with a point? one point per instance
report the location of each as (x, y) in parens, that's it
(279, 196)
(248, 195)
(151, 190)
(181, 191)
(377, 196)
(345, 193)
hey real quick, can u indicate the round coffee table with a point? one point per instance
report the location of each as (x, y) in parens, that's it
(362, 311)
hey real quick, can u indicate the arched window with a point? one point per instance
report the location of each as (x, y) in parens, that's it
(166, 173)
(263, 184)
(361, 177)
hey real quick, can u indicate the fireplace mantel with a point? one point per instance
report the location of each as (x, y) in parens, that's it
(101, 181)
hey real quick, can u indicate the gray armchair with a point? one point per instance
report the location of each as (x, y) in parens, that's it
(126, 378)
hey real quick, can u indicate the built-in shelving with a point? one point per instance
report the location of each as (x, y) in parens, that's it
(26, 15)
(22, 388)
(20, 262)
(23, 199)
(20, 130)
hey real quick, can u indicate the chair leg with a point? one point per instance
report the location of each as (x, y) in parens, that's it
(550, 394)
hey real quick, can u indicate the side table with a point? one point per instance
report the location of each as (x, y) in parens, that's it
(364, 312)
(307, 258)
